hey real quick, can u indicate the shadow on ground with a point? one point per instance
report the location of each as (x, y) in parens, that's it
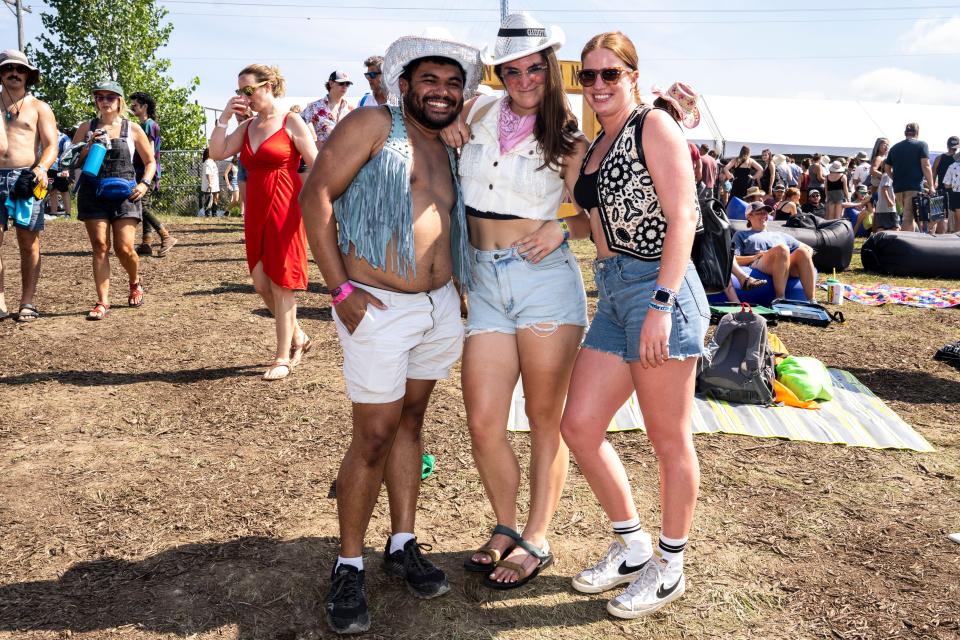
(904, 385)
(268, 588)
(93, 378)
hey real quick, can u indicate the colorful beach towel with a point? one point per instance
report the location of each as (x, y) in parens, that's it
(855, 417)
(879, 294)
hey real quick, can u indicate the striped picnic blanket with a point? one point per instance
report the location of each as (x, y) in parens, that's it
(878, 294)
(855, 417)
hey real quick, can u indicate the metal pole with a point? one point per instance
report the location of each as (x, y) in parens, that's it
(504, 8)
(20, 37)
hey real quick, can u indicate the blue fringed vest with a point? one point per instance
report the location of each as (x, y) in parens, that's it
(378, 207)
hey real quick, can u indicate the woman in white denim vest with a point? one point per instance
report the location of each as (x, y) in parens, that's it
(527, 306)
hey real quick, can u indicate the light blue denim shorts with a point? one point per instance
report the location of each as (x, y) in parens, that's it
(626, 286)
(510, 293)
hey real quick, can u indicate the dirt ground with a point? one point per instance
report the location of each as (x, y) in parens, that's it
(152, 486)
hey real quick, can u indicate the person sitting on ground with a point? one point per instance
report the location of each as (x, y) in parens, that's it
(755, 194)
(813, 204)
(775, 253)
(790, 205)
(776, 197)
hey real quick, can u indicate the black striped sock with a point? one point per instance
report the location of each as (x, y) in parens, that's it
(672, 549)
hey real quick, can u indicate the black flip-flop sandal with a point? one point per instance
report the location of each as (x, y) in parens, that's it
(494, 554)
(545, 559)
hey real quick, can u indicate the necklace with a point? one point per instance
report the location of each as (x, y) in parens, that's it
(6, 108)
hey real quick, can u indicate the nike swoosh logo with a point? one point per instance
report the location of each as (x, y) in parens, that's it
(625, 569)
(663, 593)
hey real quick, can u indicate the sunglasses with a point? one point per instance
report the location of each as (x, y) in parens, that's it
(250, 89)
(108, 97)
(372, 75)
(610, 75)
(536, 71)
(19, 68)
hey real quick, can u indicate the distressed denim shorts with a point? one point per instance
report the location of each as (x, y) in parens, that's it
(626, 287)
(510, 293)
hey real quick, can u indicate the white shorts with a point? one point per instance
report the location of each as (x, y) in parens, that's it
(419, 336)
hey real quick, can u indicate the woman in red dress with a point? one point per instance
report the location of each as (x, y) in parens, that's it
(270, 147)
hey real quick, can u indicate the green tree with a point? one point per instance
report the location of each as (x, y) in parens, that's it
(88, 40)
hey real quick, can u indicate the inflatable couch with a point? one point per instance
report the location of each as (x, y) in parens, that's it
(761, 296)
(903, 253)
(831, 240)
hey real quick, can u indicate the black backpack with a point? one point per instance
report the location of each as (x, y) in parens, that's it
(739, 364)
(713, 247)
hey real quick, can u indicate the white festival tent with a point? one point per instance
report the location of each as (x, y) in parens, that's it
(806, 126)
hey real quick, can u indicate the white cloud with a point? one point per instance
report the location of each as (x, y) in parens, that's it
(927, 36)
(890, 84)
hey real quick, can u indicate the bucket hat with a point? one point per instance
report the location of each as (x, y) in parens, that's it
(837, 167)
(13, 56)
(409, 48)
(520, 35)
(684, 99)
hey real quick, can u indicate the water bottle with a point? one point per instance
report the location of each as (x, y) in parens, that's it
(91, 166)
(834, 289)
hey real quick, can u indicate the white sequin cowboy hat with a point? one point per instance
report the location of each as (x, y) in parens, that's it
(409, 48)
(519, 36)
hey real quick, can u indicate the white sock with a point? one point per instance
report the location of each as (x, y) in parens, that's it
(671, 549)
(397, 541)
(636, 539)
(353, 562)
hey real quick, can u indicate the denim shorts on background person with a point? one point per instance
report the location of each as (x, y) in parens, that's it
(510, 293)
(7, 179)
(626, 287)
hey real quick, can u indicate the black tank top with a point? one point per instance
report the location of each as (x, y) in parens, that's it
(742, 180)
(835, 185)
(585, 190)
(945, 161)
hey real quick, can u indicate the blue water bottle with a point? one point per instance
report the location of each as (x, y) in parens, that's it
(91, 166)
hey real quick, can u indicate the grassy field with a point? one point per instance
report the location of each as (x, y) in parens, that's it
(152, 486)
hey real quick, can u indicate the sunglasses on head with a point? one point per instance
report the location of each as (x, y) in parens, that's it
(610, 75)
(105, 97)
(250, 89)
(372, 75)
(19, 68)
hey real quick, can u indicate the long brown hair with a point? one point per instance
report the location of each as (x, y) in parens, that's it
(622, 47)
(556, 127)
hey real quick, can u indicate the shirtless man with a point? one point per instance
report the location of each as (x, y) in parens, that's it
(30, 125)
(389, 266)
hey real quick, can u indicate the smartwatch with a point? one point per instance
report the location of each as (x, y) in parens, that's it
(664, 296)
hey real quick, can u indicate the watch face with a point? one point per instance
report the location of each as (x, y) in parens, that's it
(661, 296)
(336, 292)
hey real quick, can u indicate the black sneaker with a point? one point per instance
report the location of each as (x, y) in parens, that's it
(347, 610)
(423, 577)
(144, 249)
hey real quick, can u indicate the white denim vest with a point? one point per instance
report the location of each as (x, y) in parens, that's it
(512, 183)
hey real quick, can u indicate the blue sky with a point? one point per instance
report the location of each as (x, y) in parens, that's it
(854, 50)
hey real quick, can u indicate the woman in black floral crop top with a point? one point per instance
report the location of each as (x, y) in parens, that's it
(648, 330)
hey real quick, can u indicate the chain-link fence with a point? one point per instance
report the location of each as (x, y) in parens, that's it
(180, 181)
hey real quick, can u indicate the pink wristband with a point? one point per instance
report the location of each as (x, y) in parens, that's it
(340, 293)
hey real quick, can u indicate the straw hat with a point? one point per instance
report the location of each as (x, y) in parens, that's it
(837, 167)
(684, 99)
(755, 191)
(778, 159)
(409, 48)
(520, 35)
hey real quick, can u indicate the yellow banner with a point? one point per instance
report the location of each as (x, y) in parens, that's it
(568, 69)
